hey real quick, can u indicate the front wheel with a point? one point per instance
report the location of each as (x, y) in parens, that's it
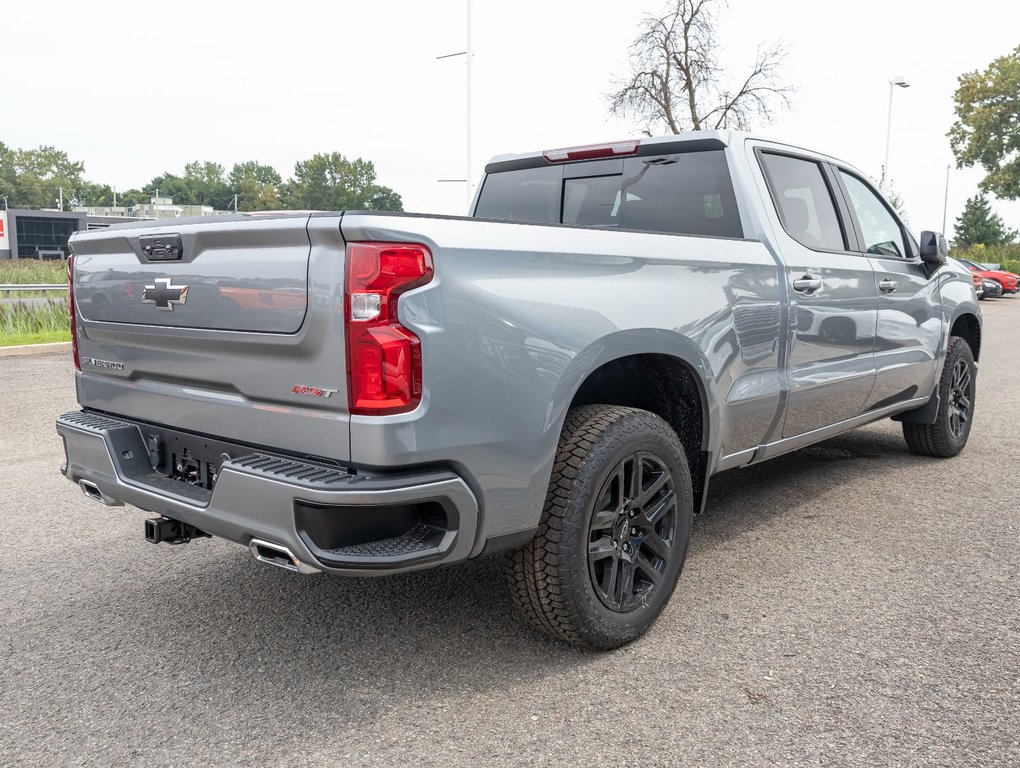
(613, 534)
(957, 391)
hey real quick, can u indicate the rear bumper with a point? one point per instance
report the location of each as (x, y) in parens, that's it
(330, 518)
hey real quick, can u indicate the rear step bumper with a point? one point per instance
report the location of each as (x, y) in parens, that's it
(324, 518)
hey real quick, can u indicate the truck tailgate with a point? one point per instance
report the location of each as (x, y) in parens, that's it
(238, 276)
(228, 327)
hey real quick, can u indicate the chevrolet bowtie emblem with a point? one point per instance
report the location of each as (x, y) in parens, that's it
(164, 294)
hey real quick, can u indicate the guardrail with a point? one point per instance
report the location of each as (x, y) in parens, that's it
(37, 287)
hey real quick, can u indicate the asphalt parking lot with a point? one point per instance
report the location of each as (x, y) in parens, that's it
(850, 604)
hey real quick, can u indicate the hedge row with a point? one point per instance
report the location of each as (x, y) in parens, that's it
(1008, 256)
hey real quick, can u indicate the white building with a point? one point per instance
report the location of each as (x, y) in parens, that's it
(156, 208)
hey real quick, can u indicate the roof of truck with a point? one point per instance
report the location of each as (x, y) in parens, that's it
(647, 145)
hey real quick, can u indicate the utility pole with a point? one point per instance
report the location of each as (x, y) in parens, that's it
(902, 82)
(467, 142)
(945, 202)
(114, 197)
(235, 202)
(61, 189)
(469, 53)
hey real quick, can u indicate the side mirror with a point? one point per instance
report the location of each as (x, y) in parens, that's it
(934, 248)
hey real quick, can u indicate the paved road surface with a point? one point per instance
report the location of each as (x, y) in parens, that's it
(847, 605)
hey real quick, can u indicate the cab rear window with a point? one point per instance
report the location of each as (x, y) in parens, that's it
(686, 193)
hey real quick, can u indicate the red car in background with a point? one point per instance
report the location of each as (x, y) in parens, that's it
(1010, 283)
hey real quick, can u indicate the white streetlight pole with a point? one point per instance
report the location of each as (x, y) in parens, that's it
(469, 53)
(945, 202)
(900, 81)
(467, 140)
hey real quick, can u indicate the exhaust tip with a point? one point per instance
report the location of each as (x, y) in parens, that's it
(276, 554)
(91, 490)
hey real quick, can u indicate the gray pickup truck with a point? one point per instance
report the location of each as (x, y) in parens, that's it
(556, 377)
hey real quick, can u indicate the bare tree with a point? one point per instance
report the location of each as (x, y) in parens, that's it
(677, 82)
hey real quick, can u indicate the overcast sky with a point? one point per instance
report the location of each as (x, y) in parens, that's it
(137, 89)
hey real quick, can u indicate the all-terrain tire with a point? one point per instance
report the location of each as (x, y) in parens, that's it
(563, 582)
(956, 389)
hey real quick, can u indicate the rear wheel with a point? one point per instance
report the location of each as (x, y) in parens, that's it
(613, 534)
(957, 390)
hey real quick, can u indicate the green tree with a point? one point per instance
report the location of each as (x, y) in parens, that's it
(987, 128)
(172, 186)
(8, 175)
(208, 184)
(331, 182)
(90, 194)
(203, 183)
(977, 225)
(34, 178)
(385, 199)
(257, 186)
(896, 200)
(132, 197)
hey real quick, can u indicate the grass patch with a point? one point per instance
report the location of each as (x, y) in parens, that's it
(32, 272)
(43, 337)
(25, 324)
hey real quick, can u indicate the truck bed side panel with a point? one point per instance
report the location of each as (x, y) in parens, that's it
(518, 315)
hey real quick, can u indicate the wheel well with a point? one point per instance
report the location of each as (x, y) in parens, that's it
(968, 328)
(667, 387)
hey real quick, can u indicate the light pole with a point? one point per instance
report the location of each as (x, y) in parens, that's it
(900, 81)
(945, 202)
(468, 54)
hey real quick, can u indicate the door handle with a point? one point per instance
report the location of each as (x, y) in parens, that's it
(807, 284)
(888, 285)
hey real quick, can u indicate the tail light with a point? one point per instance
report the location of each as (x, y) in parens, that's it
(383, 357)
(70, 306)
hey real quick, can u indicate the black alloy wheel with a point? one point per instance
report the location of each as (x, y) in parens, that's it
(630, 537)
(961, 395)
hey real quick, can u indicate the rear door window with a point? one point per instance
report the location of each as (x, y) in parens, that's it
(804, 201)
(686, 193)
